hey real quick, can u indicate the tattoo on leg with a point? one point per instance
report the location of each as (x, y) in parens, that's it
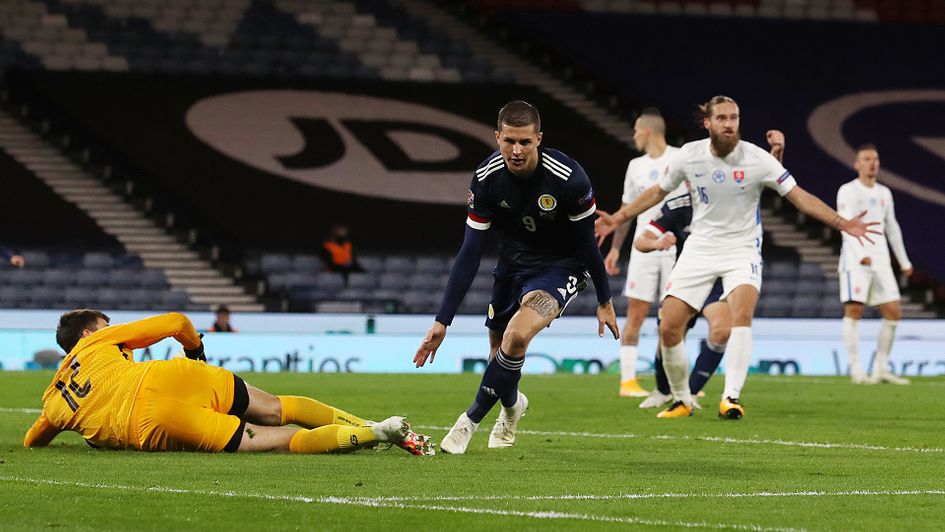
(542, 303)
(250, 432)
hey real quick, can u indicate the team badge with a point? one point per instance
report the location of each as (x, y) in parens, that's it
(654, 174)
(738, 176)
(470, 198)
(718, 176)
(547, 202)
(491, 312)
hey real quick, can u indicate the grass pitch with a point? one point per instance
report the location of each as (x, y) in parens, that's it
(811, 453)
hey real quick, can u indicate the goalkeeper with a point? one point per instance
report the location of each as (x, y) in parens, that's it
(184, 404)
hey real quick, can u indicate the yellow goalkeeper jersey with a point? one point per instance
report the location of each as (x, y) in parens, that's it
(94, 390)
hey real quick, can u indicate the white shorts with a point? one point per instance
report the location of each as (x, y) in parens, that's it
(697, 270)
(647, 274)
(871, 287)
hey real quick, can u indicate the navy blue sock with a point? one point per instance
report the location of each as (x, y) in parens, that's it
(705, 367)
(500, 380)
(662, 383)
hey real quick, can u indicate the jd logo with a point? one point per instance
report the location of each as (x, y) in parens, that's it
(363, 145)
(909, 109)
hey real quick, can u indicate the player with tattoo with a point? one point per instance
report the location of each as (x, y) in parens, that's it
(542, 204)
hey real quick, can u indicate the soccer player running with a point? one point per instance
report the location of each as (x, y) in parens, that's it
(727, 176)
(542, 204)
(646, 272)
(183, 404)
(866, 274)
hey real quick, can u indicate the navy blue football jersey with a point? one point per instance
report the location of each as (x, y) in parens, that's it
(534, 215)
(675, 217)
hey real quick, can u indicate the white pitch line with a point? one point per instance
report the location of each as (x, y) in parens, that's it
(384, 503)
(786, 443)
(641, 496)
(627, 436)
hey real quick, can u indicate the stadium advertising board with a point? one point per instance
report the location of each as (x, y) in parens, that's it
(339, 343)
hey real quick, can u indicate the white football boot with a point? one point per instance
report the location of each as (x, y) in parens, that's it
(656, 399)
(457, 439)
(503, 432)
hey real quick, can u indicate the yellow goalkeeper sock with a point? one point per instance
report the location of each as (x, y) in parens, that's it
(310, 413)
(331, 438)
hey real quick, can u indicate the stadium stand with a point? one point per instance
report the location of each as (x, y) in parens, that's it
(407, 50)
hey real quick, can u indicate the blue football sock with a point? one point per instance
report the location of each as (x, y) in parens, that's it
(662, 383)
(499, 381)
(706, 364)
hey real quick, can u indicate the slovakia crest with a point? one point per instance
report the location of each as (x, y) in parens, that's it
(738, 176)
(718, 176)
(547, 202)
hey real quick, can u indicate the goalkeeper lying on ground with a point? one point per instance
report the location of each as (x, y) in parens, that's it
(183, 404)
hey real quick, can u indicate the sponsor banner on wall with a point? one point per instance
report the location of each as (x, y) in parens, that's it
(803, 347)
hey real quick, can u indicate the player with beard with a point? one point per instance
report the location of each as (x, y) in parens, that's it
(727, 176)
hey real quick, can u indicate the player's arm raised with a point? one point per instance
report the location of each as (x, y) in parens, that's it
(148, 331)
(812, 206)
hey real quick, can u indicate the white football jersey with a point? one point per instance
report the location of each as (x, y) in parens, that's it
(642, 173)
(726, 193)
(852, 199)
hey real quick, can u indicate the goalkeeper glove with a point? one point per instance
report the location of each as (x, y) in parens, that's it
(197, 352)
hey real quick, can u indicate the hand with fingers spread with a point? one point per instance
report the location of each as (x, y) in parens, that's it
(858, 228)
(431, 343)
(606, 316)
(603, 226)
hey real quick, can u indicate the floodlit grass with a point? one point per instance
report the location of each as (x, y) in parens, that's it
(584, 459)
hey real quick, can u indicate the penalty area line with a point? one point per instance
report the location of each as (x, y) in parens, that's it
(381, 502)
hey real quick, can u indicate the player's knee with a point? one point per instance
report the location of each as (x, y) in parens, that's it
(891, 312)
(669, 334)
(853, 311)
(718, 334)
(514, 342)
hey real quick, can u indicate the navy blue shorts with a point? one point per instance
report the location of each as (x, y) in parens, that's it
(510, 286)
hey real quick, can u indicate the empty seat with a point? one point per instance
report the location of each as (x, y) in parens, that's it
(92, 278)
(482, 282)
(782, 270)
(58, 278)
(13, 295)
(44, 295)
(36, 259)
(275, 263)
(371, 263)
(329, 281)
(152, 279)
(362, 280)
(123, 278)
(307, 263)
(96, 259)
(22, 277)
(393, 281)
(398, 264)
(810, 270)
(109, 298)
(431, 265)
(81, 297)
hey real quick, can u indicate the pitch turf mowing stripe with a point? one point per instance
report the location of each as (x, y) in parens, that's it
(717, 439)
(383, 503)
(714, 439)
